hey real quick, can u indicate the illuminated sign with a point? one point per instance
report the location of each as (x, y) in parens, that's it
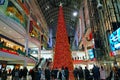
(91, 54)
(114, 40)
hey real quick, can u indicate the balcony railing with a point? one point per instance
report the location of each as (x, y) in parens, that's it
(14, 52)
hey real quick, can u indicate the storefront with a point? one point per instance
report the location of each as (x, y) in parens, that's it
(10, 46)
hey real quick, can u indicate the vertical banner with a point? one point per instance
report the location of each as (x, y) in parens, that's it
(50, 38)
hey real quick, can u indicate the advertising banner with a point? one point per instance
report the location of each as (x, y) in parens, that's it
(2, 2)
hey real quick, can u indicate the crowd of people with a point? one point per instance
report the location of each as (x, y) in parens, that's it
(48, 74)
(96, 73)
(19, 74)
(16, 73)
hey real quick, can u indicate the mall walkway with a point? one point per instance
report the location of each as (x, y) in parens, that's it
(28, 78)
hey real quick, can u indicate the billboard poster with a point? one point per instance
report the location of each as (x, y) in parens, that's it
(114, 40)
(91, 54)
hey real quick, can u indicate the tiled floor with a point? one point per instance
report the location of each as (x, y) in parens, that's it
(28, 78)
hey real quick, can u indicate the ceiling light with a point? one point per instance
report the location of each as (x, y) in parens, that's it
(37, 23)
(10, 31)
(51, 20)
(33, 35)
(75, 13)
(47, 7)
(34, 52)
(11, 14)
(4, 27)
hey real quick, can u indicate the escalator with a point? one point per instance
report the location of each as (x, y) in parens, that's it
(47, 63)
(29, 55)
(43, 63)
(39, 63)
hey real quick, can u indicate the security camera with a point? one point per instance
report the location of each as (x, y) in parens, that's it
(99, 6)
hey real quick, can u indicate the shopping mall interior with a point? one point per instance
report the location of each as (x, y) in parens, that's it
(62, 32)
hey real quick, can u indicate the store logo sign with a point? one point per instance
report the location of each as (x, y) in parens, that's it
(2, 2)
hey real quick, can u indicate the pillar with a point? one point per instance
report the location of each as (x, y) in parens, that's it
(27, 41)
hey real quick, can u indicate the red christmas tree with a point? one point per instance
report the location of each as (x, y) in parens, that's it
(62, 56)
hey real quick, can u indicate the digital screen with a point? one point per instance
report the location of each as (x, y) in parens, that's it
(91, 54)
(114, 40)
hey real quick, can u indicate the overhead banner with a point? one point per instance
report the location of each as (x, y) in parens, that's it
(2, 2)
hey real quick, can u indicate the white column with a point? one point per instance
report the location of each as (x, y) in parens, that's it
(27, 41)
(39, 50)
(25, 62)
(26, 45)
(39, 53)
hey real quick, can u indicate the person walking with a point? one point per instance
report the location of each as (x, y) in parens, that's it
(13, 73)
(87, 73)
(20, 74)
(80, 73)
(39, 73)
(47, 73)
(25, 71)
(59, 75)
(102, 73)
(96, 73)
(0, 73)
(66, 73)
(55, 71)
(113, 74)
(63, 73)
(75, 73)
(16, 74)
(4, 74)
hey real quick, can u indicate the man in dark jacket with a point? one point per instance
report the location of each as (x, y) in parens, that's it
(47, 74)
(96, 73)
(25, 71)
(66, 73)
(87, 73)
(80, 73)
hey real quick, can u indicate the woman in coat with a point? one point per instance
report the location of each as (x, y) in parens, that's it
(102, 73)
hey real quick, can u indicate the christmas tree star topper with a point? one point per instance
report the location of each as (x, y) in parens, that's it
(61, 3)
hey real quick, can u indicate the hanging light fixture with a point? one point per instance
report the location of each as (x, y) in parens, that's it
(56, 3)
(99, 6)
(75, 13)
